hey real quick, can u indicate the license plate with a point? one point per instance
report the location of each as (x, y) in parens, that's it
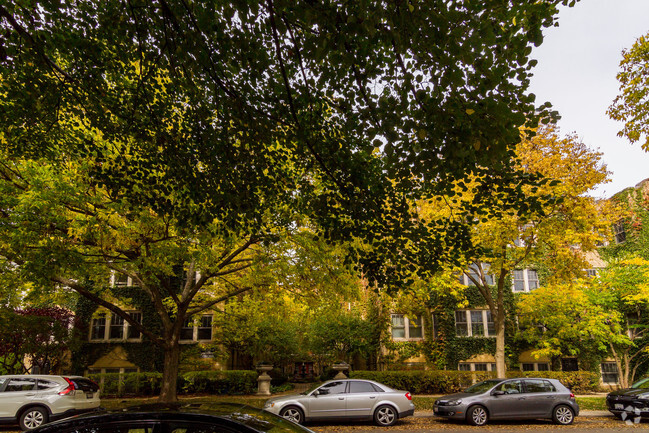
(89, 395)
(619, 406)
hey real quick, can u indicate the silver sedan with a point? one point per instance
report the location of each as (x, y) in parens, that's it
(348, 399)
(520, 398)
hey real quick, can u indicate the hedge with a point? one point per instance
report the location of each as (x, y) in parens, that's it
(449, 381)
(148, 384)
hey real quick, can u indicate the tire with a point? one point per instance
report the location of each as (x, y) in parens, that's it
(293, 413)
(33, 417)
(477, 415)
(563, 415)
(385, 416)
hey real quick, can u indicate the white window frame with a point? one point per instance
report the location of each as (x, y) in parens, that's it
(474, 269)
(491, 366)
(619, 232)
(406, 323)
(469, 323)
(196, 324)
(526, 280)
(536, 366)
(107, 325)
(602, 372)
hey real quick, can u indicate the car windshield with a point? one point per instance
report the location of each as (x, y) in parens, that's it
(311, 389)
(641, 384)
(482, 386)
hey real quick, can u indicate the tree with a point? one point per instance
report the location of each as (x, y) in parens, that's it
(35, 337)
(605, 315)
(552, 238)
(631, 105)
(348, 110)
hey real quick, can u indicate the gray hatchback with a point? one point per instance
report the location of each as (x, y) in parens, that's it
(519, 398)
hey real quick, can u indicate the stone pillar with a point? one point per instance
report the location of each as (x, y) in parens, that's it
(263, 381)
(341, 367)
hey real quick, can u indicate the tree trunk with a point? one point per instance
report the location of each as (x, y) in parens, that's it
(168, 390)
(499, 324)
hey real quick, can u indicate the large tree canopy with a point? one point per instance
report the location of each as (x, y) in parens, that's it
(232, 111)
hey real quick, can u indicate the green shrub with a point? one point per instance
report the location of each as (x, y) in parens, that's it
(449, 381)
(148, 384)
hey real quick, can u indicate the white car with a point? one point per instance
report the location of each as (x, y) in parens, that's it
(348, 399)
(33, 400)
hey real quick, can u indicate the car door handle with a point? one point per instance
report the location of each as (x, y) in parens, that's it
(372, 397)
(521, 398)
(341, 398)
(31, 394)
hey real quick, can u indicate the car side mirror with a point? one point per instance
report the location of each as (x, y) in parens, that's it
(498, 393)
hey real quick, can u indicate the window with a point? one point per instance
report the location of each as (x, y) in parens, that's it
(535, 366)
(205, 328)
(120, 279)
(471, 323)
(116, 327)
(618, 231)
(359, 387)
(511, 387)
(407, 328)
(20, 384)
(132, 333)
(538, 385)
(476, 366)
(333, 388)
(525, 280)
(98, 329)
(195, 331)
(609, 372)
(473, 273)
(633, 330)
(590, 272)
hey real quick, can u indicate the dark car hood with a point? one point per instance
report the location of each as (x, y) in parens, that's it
(629, 392)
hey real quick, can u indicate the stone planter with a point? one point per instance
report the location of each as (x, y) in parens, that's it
(263, 381)
(341, 367)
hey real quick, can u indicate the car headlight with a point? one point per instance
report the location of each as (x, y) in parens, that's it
(454, 402)
(269, 404)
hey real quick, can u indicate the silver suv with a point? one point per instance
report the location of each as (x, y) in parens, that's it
(32, 400)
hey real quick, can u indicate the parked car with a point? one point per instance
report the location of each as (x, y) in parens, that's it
(177, 418)
(33, 400)
(348, 399)
(519, 398)
(630, 402)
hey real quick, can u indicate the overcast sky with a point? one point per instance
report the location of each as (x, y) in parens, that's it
(576, 72)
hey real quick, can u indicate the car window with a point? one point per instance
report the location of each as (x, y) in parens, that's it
(20, 384)
(481, 387)
(46, 384)
(333, 388)
(511, 387)
(377, 389)
(539, 385)
(2, 382)
(359, 387)
(84, 384)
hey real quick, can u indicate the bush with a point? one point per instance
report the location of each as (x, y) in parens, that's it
(148, 384)
(450, 381)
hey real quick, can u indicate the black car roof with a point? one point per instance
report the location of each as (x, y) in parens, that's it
(228, 413)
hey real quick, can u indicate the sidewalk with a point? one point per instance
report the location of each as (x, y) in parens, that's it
(582, 413)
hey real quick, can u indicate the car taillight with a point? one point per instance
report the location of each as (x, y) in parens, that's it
(408, 396)
(572, 395)
(69, 389)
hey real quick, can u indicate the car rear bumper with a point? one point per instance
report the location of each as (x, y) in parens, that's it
(406, 413)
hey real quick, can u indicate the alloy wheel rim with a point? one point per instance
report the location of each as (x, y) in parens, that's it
(386, 416)
(564, 415)
(479, 416)
(33, 419)
(292, 415)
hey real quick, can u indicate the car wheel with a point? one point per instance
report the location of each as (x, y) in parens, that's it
(385, 416)
(477, 415)
(32, 418)
(293, 413)
(563, 415)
